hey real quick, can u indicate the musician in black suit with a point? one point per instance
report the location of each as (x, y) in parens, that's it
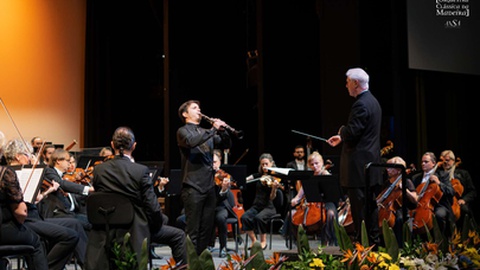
(196, 146)
(443, 209)
(62, 202)
(123, 176)
(451, 171)
(361, 145)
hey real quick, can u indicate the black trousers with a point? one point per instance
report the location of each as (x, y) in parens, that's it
(199, 216)
(61, 240)
(175, 239)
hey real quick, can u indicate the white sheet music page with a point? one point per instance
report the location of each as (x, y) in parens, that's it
(30, 180)
(284, 171)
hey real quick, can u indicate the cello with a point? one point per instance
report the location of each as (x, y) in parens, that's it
(458, 187)
(389, 204)
(311, 215)
(429, 194)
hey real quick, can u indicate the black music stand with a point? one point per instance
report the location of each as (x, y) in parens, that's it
(290, 175)
(322, 188)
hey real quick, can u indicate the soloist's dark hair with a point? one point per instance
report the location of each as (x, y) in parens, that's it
(123, 138)
(184, 107)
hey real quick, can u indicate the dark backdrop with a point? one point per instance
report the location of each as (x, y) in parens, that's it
(141, 67)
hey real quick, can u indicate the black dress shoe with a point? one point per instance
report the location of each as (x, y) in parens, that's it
(239, 240)
(222, 253)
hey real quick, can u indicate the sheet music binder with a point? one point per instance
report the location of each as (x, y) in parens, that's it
(322, 188)
(32, 176)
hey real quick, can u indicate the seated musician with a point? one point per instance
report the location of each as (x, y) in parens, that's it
(327, 230)
(255, 219)
(224, 206)
(390, 199)
(442, 210)
(62, 203)
(465, 191)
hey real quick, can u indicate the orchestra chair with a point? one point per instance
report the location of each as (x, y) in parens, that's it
(278, 217)
(109, 210)
(233, 221)
(22, 253)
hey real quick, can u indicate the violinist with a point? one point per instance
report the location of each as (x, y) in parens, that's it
(224, 205)
(442, 209)
(255, 219)
(62, 203)
(79, 176)
(327, 230)
(390, 199)
(468, 193)
(46, 154)
(65, 236)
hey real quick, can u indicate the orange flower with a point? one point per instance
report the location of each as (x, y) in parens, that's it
(431, 247)
(170, 264)
(228, 265)
(274, 259)
(347, 255)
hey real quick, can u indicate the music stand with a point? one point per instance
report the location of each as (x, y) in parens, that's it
(290, 175)
(322, 188)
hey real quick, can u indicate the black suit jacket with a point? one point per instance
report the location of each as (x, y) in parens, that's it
(361, 142)
(57, 204)
(121, 175)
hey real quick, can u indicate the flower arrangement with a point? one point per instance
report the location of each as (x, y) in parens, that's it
(460, 251)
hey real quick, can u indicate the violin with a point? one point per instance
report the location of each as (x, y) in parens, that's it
(220, 175)
(79, 176)
(46, 184)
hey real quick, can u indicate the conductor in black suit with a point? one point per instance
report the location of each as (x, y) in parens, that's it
(198, 191)
(361, 145)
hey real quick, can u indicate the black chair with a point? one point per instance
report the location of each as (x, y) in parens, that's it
(233, 221)
(20, 253)
(102, 213)
(278, 217)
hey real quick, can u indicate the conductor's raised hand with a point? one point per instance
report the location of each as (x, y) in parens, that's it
(334, 140)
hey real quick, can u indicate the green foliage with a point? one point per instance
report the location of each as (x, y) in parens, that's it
(343, 239)
(308, 259)
(391, 244)
(257, 262)
(364, 235)
(195, 262)
(302, 237)
(124, 256)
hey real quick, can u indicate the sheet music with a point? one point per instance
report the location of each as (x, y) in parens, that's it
(35, 176)
(283, 171)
